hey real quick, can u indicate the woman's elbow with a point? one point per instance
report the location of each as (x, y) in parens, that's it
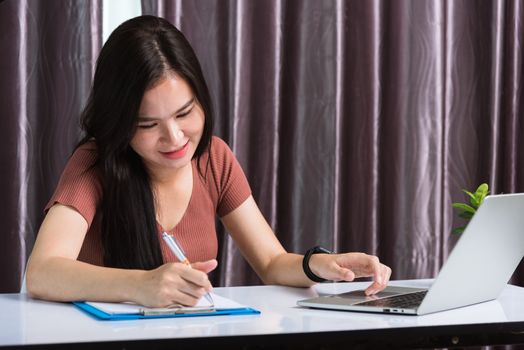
(33, 281)
(271, 275)
(267, 278)
(30, 282)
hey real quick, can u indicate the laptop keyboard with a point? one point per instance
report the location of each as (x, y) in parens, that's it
(403, 301)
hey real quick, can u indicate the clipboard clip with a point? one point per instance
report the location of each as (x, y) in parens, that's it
(176, 310)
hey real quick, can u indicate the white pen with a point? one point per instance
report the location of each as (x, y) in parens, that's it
(179, 253)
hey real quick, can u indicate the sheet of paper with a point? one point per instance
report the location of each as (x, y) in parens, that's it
(130, 308)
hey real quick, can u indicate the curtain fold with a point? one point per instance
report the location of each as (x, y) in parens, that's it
(357, 123)
(46, 70)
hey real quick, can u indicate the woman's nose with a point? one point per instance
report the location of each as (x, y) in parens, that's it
(173, 133)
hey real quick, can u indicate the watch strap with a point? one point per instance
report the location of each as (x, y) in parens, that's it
(305, 262)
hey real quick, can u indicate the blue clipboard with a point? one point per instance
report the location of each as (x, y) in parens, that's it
(102, 315)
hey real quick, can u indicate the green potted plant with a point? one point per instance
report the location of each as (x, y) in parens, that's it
(468, 210)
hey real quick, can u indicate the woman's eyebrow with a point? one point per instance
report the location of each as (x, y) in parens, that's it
(187, 104)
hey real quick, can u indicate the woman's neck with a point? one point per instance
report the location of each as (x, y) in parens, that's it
(167, 177)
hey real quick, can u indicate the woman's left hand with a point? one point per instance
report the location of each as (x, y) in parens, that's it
(348, 266)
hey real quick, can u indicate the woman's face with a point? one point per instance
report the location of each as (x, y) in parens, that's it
(170, 125)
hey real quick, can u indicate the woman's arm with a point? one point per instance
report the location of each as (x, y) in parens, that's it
(274, 265)
(261, 248)
(53, 273)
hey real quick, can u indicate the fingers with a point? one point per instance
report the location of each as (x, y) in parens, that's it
(205, 266)
(347, 267)
(341, 274)
(326, 266)
(182, 298)
(175, 283)
(195, 278)
(380, 273)
(365, 265)
(380, 279)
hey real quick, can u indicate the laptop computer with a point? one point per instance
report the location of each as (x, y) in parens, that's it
(477, 270)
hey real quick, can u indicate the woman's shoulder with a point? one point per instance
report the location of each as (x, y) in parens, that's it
(219, 149)
(218, 158)
(87, 147)
(219, 143)
(84, 156)
(79, 186)
(227, 183)
(221, 159)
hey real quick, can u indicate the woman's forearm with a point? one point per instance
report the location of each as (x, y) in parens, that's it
(286, 269)
(63, 279)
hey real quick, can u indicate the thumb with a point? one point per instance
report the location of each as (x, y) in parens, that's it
(205, 266)
(343, 274)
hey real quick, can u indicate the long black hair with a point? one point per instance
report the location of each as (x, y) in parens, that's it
(138, 54)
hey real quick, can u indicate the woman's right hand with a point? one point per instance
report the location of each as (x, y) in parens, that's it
(175, 283)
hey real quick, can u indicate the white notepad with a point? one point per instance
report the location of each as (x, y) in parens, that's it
(131, 308)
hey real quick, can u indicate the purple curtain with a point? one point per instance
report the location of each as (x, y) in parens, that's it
(48, 50)
(357, 122)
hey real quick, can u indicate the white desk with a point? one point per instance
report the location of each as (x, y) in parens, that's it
(24, 321)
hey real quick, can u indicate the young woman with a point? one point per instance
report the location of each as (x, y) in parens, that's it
(148, 163)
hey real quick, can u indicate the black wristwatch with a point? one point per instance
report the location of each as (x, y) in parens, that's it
(305, 263)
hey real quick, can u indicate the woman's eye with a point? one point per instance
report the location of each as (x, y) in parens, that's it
(181, 115)
(146, 126)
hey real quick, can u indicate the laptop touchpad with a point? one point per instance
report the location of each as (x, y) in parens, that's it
(358, 296)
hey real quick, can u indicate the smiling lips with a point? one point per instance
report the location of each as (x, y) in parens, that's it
(179, 153)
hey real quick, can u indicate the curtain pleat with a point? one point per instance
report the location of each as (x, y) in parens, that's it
(357, 123)
(46, 70)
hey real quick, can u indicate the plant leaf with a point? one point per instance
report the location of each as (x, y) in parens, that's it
(458, 230)
(466, 215)
(481, 192)
(467, 211)
(483, 188)
(473, 199)
(464, 206)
